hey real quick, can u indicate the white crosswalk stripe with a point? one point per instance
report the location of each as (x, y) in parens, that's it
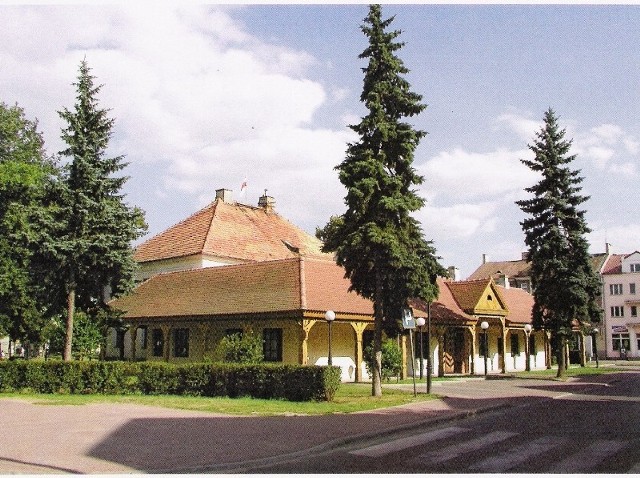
(587, 458)
(517, 455)
(453, 451)
(408, 442)
(525, 451)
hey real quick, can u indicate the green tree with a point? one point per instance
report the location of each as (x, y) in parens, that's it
(93, 247)
(566, 289)
(25, 171)
(377, 241)
(241, 348)
(391, 364)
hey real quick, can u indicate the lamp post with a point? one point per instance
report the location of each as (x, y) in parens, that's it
(329, 316)
(484, 326)
(527, 332)
(595, 348)
(420, 323)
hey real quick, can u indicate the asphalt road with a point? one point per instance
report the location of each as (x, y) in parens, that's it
(582, 427)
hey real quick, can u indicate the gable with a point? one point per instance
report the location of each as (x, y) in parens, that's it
(478, 297)
(631, 262)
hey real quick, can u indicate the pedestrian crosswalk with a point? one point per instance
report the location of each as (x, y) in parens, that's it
(499, 451)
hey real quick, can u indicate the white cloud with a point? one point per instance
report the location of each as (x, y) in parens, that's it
(199, 102)
(459, 221)
(524, 127)
(608, 147)
(464, 175)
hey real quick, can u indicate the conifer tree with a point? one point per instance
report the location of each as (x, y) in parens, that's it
(377, 241)
(94, 251)
(566, 289)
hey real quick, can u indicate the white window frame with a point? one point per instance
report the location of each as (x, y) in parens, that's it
(632, 288)
(615, 289)
(635, 267)
(617, 311)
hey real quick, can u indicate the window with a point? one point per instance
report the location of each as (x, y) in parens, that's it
(119, 339)
(230, 332)
(515, 345)
(272, 345)
(632, 288)
(634, 267)
(424, 336)
(617, 311)
(532, 345)
(634, 312)
(615, 289)
(158, 342)
(181, 343)
(620, 341)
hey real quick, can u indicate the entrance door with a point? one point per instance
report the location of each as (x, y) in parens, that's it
(454, 351)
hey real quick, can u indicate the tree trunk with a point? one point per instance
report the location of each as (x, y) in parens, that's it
(68, 337)
(560, 354)
(376, 380)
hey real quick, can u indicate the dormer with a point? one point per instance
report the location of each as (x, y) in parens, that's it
(631, 263)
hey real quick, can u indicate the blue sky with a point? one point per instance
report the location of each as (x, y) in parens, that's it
(205, 96)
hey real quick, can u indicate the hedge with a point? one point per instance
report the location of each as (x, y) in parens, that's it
(271, 381)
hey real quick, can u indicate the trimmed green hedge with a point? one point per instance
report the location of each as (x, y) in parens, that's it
(290, 382)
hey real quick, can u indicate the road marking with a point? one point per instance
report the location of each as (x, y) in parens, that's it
(408, 442)
(457, 449)
(635, 469)
(515, 456)
(587, 458)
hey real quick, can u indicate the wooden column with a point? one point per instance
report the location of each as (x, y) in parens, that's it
(474, 348)
(305, 328)
(503, 338)
(358, 328)
(133, 331)
(166, 335)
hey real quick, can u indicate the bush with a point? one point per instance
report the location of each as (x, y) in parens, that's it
(290, 382)
(241, 348)
(391, 359)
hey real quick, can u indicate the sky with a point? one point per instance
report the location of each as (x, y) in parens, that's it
(206, 96)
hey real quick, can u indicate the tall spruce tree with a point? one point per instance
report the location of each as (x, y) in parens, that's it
(377, 241)
(94, 246)
(566, 289)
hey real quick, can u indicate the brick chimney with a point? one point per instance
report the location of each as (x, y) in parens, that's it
(225, 195)
(268, 203)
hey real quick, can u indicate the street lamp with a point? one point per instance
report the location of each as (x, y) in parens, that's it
(420, 323)
(595, 348)
(484, 326)
(330, 316)
(527, 332)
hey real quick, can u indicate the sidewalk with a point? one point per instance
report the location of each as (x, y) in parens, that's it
(121, 438)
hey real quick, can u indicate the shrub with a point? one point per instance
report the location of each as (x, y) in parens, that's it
(391, 359)
(277, 381)
(241, 348)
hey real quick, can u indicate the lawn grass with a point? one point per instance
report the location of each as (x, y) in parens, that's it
(350, 397)
(572, 371)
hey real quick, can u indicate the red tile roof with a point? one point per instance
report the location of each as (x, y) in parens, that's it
(522, 268)
(231, 230)
(458, 300)
(289, 285)
(520, 304)
(614, 264)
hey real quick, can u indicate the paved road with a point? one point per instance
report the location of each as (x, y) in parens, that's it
(120, 438)
(582, 427)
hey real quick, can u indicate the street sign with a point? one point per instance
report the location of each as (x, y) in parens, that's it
(408, 322)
